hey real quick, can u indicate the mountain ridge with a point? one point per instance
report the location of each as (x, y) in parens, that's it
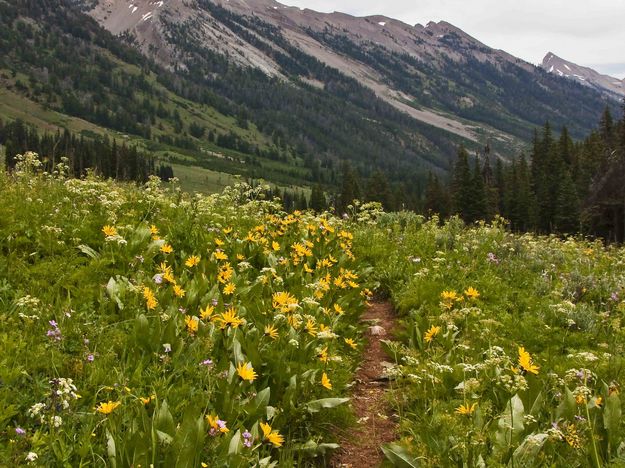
(587, 76)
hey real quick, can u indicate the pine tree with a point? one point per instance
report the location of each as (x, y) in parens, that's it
(567, 206)
(350, 188)
(477, 199)
(461, 185)
(317, 199)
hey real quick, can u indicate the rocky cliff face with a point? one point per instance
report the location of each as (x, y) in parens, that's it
(435, 73)
(609, 85)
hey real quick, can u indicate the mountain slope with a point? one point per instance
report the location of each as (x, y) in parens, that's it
(608, 85)
(436, 73)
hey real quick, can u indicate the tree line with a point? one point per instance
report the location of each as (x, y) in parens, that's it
(102, 155)
(564, 187)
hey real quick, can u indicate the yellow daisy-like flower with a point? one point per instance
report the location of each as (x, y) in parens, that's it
(472, 293)
(227, 230)
(271, 332)
(240, 257)
(192, 324)
(466, 409)
(219, 242)
(351, 343)
(147, 400)
(431, 333)
(246, 371)
(275, 246)
(338, 309)
(325, 381)
(150, 299)
(311, 327)
(220, 255)
(307, 269)
(284, 302)
(271, 436)
(323, 355)
(229, 289)
(108, 407)
(206, 312)
(109, 231)
(178, 291)
(217, 424)
(525, 361)
(192, 261)
(167, 249)
(230, 319)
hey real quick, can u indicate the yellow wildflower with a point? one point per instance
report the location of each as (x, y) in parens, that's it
(466, 409)
(431, 333)
(192, 324)
(311, 328)
(284, 302)
(108, 407)
(178, 291)
(206, 312)
(325, 381)
(271, 332)
(271, 436)
(220, 255)
(351, 343)
(216, 424)
(150, 300)
(192, 261)
(109, 231)
(230, 319)
(167, 249)
(472, 293)
(229, 289)
(338, 309)
(323, 355)
(525, 361)
(275, 246)
(219, 242)
(246, 371)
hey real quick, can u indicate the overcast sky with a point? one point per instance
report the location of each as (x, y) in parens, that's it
(586, 32)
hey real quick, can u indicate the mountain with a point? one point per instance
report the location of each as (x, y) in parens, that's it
(260, 89)
(586, 76)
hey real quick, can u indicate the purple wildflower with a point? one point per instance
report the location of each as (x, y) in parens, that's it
(90, 357)
(247, 439)
(19, 431)
(207, 362)
(158, 278)
(614, 296)
(214, 302)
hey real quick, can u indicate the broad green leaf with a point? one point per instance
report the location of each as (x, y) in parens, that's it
(612, 420)
(235, 443)
(324, 403)
(526, 453)
(111, 449)
(88, 251)
(399, 456)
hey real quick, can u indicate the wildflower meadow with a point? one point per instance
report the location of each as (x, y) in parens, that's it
(510, 347)
(144, 326)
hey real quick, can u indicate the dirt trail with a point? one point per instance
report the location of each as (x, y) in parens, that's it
(360, 444)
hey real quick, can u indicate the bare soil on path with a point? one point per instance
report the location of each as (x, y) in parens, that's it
(360, 444)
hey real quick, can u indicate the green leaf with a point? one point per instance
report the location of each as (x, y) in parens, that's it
(238, 353)
(399, 456)
(235, 443)
(113, 289)
(510, 424)
(164, 422)
(313, 449)
(612, 420)
(111, 449)
(317, 405)
(88, 251)
(526, 453)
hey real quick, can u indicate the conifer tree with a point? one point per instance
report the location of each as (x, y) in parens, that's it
(461, 185)
(317, 199)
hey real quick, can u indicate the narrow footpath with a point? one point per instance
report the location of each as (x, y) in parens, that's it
(360, 444)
